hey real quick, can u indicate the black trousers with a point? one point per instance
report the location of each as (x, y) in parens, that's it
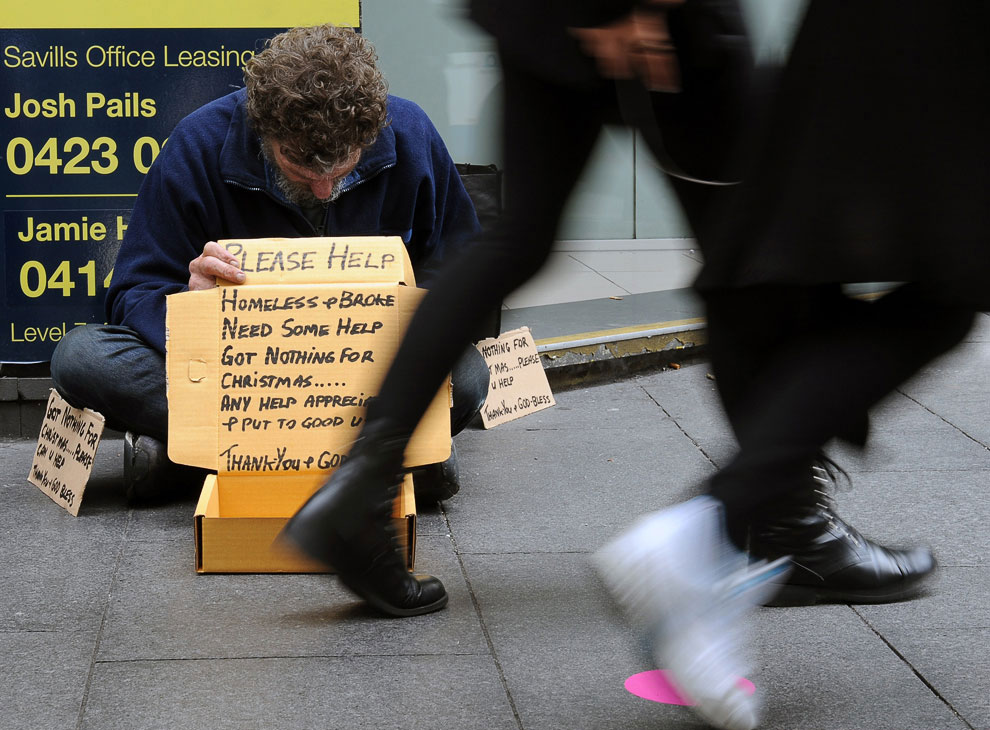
(797, 366)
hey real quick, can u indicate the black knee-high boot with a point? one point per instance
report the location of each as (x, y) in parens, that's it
(347, 525)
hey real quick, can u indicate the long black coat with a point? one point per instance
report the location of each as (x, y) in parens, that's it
(874, 164)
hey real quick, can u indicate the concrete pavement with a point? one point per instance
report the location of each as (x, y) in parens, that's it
(105, 624)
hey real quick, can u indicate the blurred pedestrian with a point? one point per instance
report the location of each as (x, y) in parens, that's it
(313, 145)
(874, 166)
(675, 572)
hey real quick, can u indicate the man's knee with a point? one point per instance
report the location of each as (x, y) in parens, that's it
(470, 382)
(75, 362)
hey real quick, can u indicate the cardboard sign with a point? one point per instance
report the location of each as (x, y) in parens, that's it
(268, 383)
(272, 376)
(66, 449)
(517, 386)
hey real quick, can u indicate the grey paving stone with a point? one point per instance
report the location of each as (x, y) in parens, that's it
(172, 522)
(564, 652)
(161, 609)
(566, 656)
(15, 459)
(899, 411)
(822, 667)
(431, 519)
(955, 663)
(21, 498)
(965, 411)
(44, 678)
(615, 405)
(567, 490)
(931, 633)
(901, 427)
(57, 568)
(682, 391)
(23, 502)
(963, 370)
(408, 692)
(938, 446)
(944, 510)
(719, 452)
(956, 601)
(55, 579)
(691, 399)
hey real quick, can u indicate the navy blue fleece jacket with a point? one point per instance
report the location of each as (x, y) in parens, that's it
(211, 182)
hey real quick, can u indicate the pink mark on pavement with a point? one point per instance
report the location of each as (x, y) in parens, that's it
(655, 686)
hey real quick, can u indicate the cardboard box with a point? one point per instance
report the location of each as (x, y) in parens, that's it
(268, 380)
(236, 526)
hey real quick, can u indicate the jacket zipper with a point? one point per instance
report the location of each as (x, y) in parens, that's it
(353, 185)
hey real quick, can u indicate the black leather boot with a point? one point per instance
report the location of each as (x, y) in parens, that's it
(347, 525)
(832, 561)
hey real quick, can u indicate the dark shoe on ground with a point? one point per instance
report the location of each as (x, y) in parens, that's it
(436, 482)
(833, 562)
(347, 526)
(150, 478)
(145, 469)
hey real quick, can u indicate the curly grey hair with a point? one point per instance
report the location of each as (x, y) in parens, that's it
(318, 92)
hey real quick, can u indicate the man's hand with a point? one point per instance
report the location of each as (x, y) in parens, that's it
(638, 44)
(214, 263)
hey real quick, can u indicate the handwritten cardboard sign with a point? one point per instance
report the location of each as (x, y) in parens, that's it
(320, 260)
(274, 375)
(306, 370)
(66, 449)
(518, 385)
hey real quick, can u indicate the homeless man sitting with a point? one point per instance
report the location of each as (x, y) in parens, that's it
(313, 146)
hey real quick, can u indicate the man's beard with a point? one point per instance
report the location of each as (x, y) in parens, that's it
(300, 194)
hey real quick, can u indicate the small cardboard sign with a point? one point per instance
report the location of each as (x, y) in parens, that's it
(66, 449)
(517, 384)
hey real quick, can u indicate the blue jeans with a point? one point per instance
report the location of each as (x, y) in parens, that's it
(110, 369)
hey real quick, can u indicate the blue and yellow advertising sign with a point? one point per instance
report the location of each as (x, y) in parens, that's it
(89, 93)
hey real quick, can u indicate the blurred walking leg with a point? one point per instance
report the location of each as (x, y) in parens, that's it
(549, 132)
(809, 373)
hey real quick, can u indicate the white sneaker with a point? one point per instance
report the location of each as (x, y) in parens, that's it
(676, 576)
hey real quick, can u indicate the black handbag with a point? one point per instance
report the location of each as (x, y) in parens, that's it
(694, 133)
(484, 186)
